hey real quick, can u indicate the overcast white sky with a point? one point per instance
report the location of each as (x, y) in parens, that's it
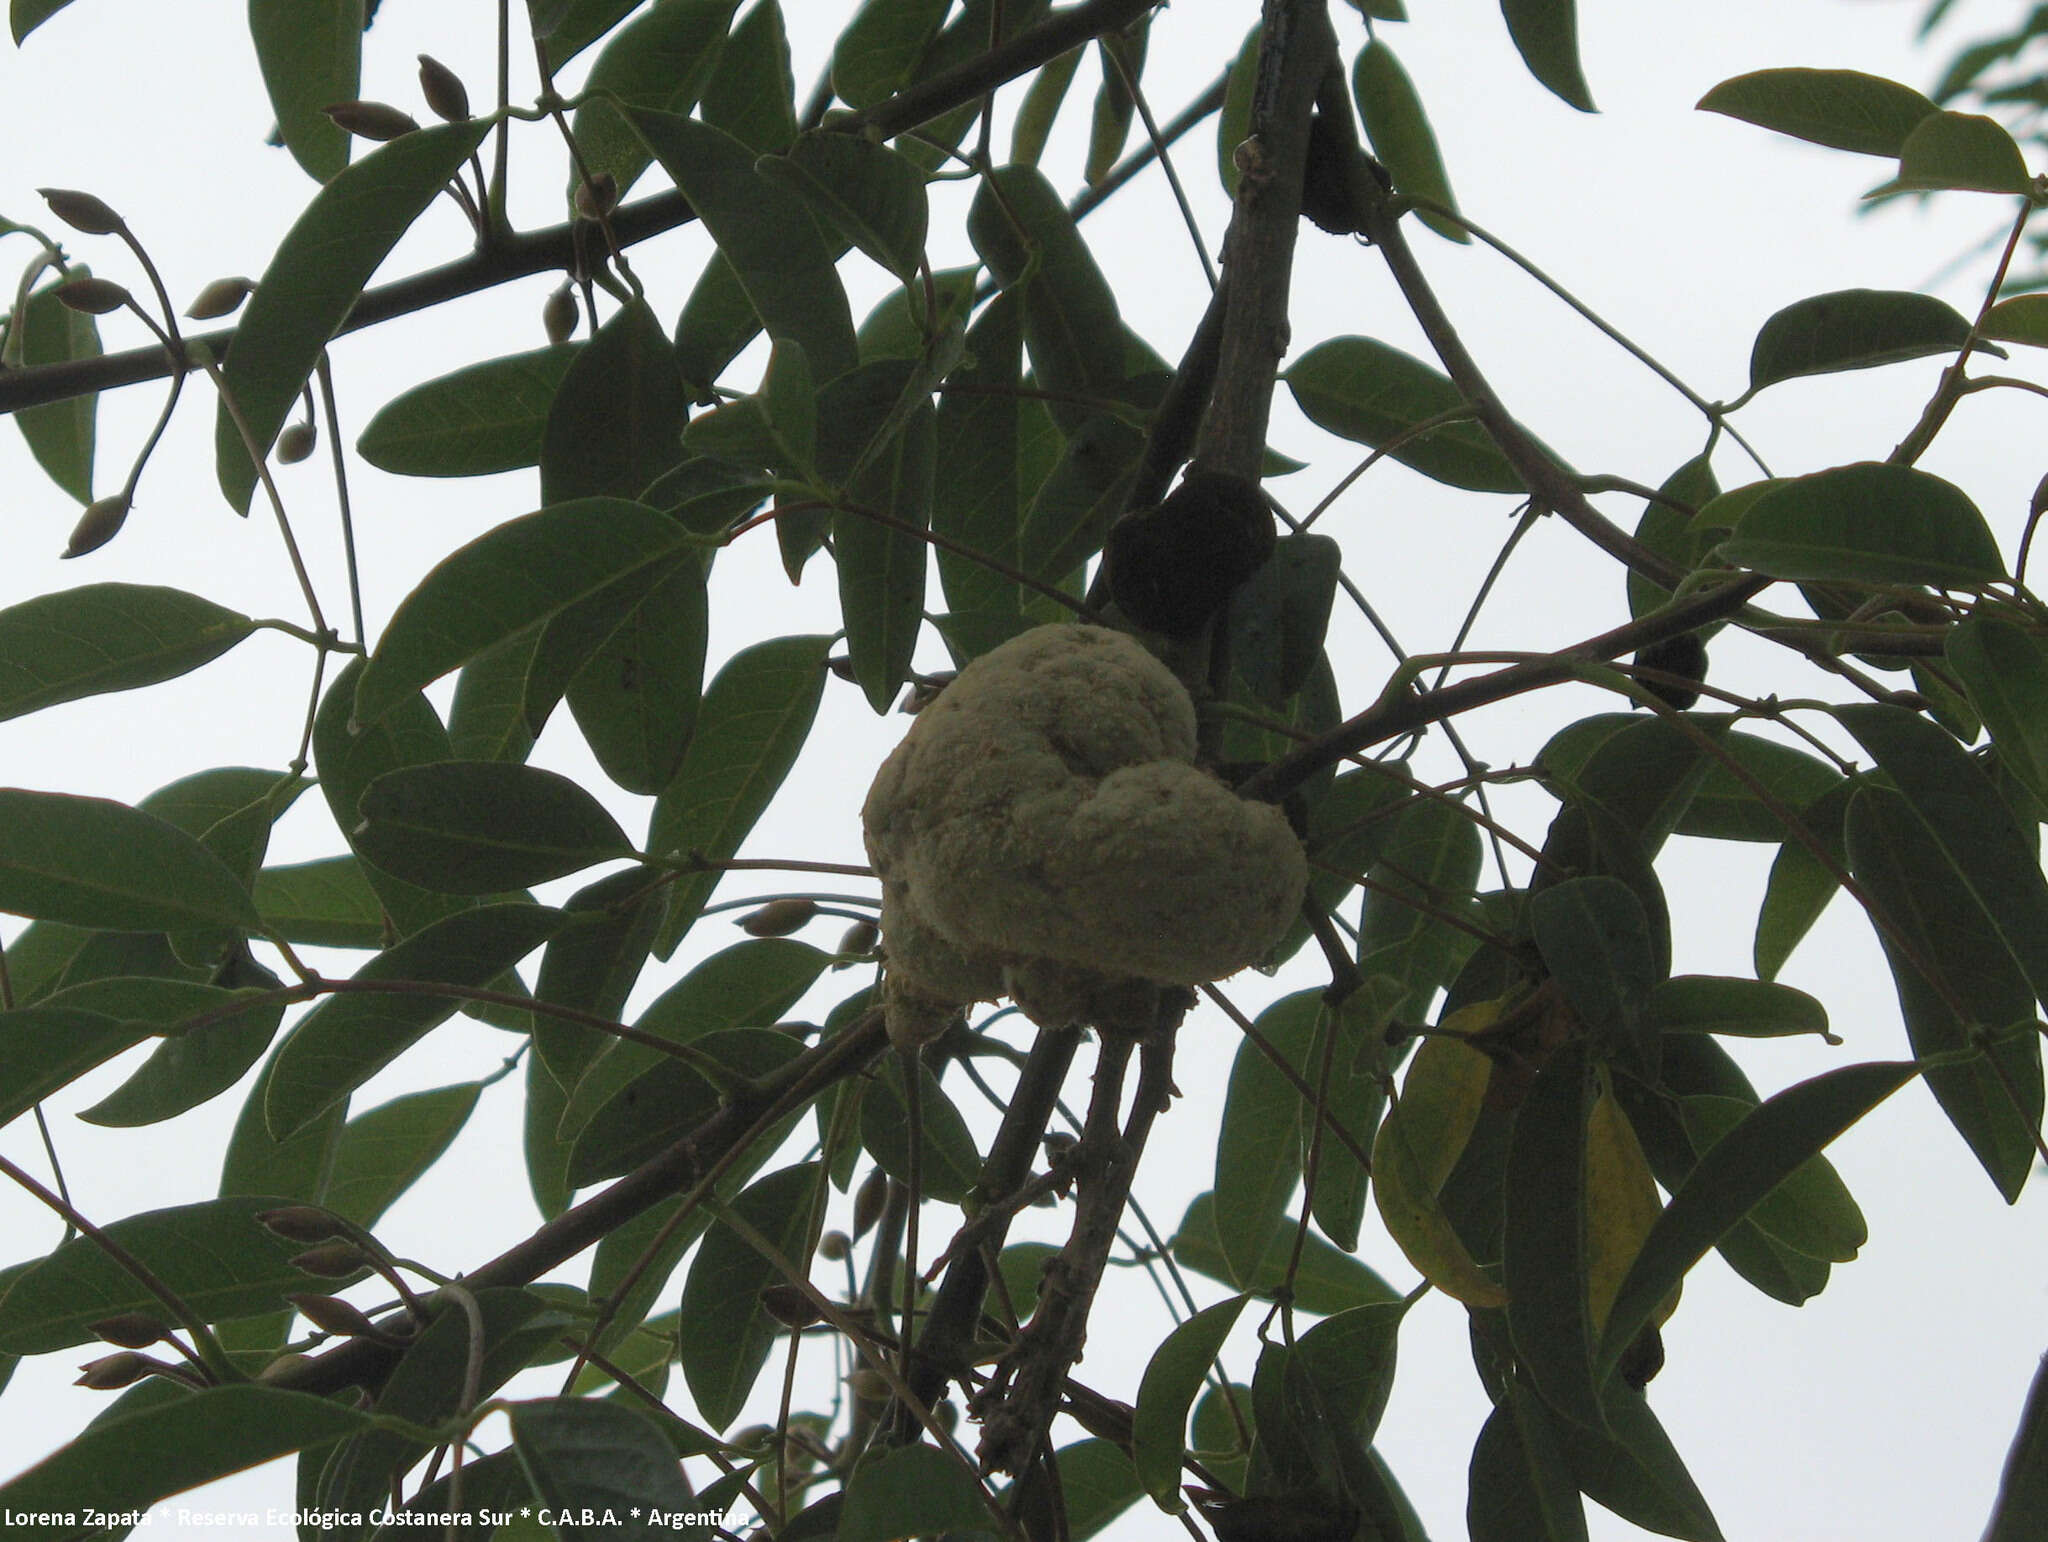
(1880, 1411)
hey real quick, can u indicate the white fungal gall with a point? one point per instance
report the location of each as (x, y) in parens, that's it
(1042, 832)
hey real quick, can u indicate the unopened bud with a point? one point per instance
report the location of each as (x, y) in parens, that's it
(791, 1306)
(778, 918)
(302, 1223)
(82, 212)
(94, 296)
(99, 524)
(444, 90)
(296, 443)
(110, 1373)
(858, 941)
(559, 315)
(947, 1414)
(835, 1246)
(868, 1201)
(595, 198)
(371, 120)
(331, 1314)
(332, 1260)
(755, 1437)
(869, 1385)
(284, 1365)
(131, 1330)
(222, 297)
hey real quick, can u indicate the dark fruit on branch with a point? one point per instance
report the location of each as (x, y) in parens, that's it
(1325, 188)
(1684, 656)
(1172, 567)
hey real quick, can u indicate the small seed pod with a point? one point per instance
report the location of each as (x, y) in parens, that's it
(857, 941)
(1325, 186)
(835, 1247)
(82, 212)
(1684, 656)
(331, 1314)
(99, 524)
(112, 1372)
(443, 90)
(559, 315)
(868, 1201)
(790, 1306)
(332, 1260)
(93, 296)
(222, 297)
(302, 1223)
(869, 1385)
(778, 918)
(296, 443)
(596, 197)
(131, 1330)
(372, 120)
(1172, 567)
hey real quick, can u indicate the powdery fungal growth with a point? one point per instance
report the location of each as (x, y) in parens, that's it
(1042, 832)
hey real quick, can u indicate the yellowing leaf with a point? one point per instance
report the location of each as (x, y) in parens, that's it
(1621, 1207)
(1420, 1143)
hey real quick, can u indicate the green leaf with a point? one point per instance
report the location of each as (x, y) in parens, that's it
(1020, 227)
(1080, 498)
(871, 195)
(527, 570)
(27, 15)
(1278, 617)
(592, 1456)
(636, 698)
(1360, 389)
(765, 232)
(382, 1152)
(2022, 319)
(2004, 669)
(877, 53)
(547, 1155)
(753, 720)
(592, 963)
(1667, 531)
(1097, 1484)
(948, 1165)
(1853, 329)
(1842, 109)
(1520, 1488)
(81, 642)
(1749, 1009)
(311, 56)
(748, 985)
(1398, 128)
(975, 487)
(128, 1464)
(192, 1064)
(474, 421)
(1963, 152)
(483, 826)
(1800, 884)
(306, 293)
(627, 1111)
(1742, 1168)
(1595, 941)
(881, 567)
(752, 95)
(1327, 1281)
(1871, 522)
(44, 1047)
(60, 434)
(730, 1331)
(1234, 122)
(1811, 1210)
(1428, 863)
(487, 719)
(350, 1037)
(1258, 1149)
(1546, 35)
(1350, 1357)
(1635, 1473)
(616, 420)
(1932, 910)
(96, 863)
(1174, 1374)
(1543, 1239)
(1727, 807)
(213, 1256)
(570, 26)
(2022, 1508)
(1042, 101)
(326, 903)
(659, 60)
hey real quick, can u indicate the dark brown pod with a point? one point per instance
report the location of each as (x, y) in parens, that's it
(1172, 567)
(1326, 199)
(1684, 656)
